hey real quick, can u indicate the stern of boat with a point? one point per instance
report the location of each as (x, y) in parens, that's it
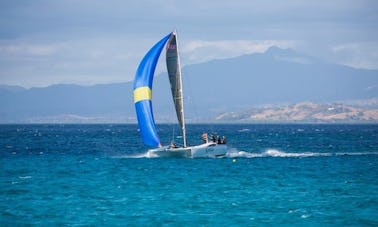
(209, 150)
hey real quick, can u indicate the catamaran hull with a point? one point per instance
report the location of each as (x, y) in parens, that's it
(207, 150)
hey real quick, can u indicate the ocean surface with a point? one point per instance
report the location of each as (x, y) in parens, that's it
(280, 175)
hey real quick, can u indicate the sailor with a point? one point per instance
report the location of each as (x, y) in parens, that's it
(212, 137)
(173, 145)
(218, 140)
(204, 137)
(224, 140)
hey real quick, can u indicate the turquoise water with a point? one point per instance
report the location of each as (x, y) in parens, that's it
(307, 175)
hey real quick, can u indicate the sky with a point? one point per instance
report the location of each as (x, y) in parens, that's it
(86, 42)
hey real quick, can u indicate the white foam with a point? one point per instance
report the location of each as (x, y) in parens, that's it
(277, 153)
(148, 154)
(235, 153)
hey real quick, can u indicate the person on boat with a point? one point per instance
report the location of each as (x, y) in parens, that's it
(224, 140)
(204, 137)
(212, 137)
(173, 145)
(218, 140)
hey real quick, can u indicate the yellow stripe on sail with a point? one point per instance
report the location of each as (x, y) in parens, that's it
(142, 93)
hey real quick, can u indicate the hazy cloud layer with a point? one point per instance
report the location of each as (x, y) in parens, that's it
(92, 41)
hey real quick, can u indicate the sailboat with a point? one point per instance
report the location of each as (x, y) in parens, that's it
(143, 104)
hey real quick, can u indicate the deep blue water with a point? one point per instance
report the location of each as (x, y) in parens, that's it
(307, 175)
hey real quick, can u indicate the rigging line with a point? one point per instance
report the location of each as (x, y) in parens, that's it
(173, 134)
(191, 98)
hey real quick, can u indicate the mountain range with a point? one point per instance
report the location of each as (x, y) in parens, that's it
(236, 85)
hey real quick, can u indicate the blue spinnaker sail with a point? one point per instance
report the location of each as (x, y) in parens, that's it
(143, 94)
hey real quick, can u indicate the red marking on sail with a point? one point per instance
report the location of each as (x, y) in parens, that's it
(171, 47)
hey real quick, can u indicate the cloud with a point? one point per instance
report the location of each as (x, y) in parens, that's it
(358, 55)
(94, 41)
(200, 51)
(28, 62)
(104, 59)
(22, 49)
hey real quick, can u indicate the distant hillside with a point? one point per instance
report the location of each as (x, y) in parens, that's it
(110, 102)
(275, 77)
(304, 112)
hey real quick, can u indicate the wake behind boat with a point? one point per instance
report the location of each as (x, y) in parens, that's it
(143, 104)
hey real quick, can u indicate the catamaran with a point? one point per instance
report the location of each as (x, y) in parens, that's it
(143, 104)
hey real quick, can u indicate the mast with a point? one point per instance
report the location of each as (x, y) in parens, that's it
(183, 128)
(174, 73)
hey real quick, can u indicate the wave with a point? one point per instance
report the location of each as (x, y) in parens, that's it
(147, 154)
(274, 153)
(234, 153)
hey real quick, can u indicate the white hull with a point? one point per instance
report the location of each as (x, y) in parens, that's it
(207, 150)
